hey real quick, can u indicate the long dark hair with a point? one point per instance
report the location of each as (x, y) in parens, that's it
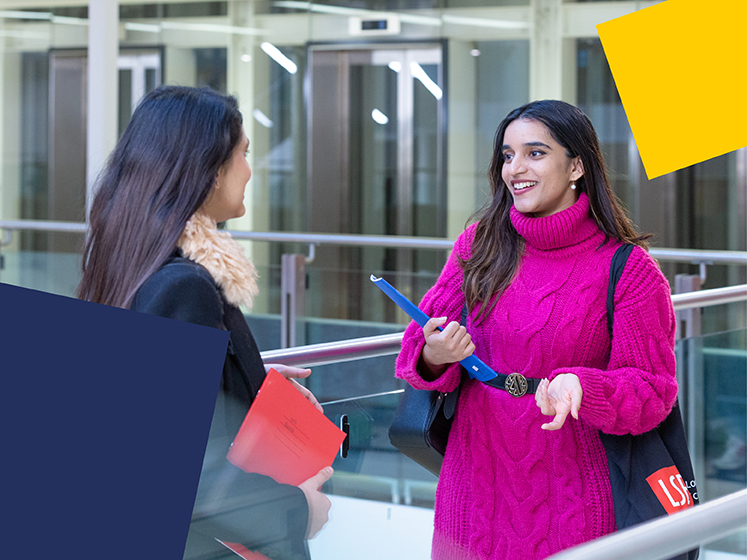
(497, 246)
(159, 174)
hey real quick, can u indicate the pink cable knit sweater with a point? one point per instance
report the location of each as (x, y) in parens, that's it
(508, 489)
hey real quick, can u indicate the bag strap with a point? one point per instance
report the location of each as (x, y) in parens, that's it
(616, 269)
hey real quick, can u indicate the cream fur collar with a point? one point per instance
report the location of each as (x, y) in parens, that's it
(222, 257)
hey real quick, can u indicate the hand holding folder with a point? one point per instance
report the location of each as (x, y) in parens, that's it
(283, 435)
(475, 367)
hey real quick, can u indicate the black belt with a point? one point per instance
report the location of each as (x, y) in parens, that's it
(514, 384)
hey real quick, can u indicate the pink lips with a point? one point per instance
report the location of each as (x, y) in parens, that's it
(521, 190)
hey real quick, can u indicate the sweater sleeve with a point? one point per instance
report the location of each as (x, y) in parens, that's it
(444, 299)
(638, 389)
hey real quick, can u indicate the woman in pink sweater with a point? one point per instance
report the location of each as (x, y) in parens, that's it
(525, 477)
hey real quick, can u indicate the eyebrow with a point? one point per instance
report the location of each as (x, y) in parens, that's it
(528, 145)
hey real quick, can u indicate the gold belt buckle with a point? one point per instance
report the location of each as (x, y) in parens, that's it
(516, 385)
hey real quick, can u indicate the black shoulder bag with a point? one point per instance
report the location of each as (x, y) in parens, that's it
(651, 474)
(422, 421)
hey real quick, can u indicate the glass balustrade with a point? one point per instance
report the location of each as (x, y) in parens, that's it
(382, 501)
(713, 391)
(386, 490)
(48, 261)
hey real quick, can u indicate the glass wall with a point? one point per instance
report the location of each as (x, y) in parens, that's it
(700, 207)
(346, 136)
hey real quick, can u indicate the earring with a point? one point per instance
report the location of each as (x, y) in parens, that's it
(217, 183)
(573, 186)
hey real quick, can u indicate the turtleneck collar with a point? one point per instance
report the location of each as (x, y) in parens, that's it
(566, 228)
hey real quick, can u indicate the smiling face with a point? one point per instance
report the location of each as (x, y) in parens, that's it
(226, 200)
(537, 170)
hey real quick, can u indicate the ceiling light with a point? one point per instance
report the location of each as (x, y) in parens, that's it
(262, 119)
(341, 10)
(144, 27)
(12, 14)
(274, 53)
(430, 85)
(379, 117)
(480, 22)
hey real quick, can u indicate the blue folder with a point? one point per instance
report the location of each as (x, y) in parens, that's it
(476, 368)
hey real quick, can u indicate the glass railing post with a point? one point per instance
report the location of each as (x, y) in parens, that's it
(688, 320)
(5, 238)
(690, 372)
(693, 410)
(293, 300)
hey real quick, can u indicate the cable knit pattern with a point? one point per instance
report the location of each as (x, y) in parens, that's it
(508, 489)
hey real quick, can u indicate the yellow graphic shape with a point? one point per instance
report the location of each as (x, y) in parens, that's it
(681, 70)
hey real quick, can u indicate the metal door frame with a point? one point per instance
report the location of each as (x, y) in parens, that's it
(405, 116)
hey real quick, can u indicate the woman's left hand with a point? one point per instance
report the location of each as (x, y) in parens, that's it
(559, 397)
(291, 374)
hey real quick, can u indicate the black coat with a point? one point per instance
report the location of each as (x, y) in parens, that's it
(231, 505)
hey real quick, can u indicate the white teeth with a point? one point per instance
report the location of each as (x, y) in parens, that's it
(524, 185)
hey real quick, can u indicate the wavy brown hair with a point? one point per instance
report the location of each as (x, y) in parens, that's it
(497, 246)
(159, 174)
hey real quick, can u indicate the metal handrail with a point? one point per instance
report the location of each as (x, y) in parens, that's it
(669, 535)
(388, 344)
(708, 298)
(43, 225)
(391, 241)
(336, 352)
(355, 240)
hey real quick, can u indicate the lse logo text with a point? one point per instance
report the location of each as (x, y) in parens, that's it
(670, 489)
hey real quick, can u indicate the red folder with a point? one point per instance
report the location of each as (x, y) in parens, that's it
(284, 436)
(241, 551)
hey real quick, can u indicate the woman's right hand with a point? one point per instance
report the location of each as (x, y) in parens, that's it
(319, 504)
(445, 347)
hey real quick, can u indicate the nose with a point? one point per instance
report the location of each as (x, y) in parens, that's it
(517, 165)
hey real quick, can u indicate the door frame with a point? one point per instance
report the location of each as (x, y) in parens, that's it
(405, 191)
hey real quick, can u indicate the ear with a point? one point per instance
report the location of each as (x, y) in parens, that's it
(577, 168)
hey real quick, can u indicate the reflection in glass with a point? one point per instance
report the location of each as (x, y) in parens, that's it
(699, 207)
(713, 391)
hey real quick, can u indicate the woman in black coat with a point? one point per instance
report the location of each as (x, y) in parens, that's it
(154, 247)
